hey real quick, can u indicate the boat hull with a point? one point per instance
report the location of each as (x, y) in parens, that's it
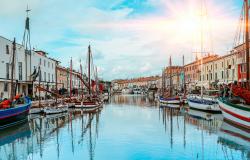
(170, 100)
(36, 110)
(203, 105)
(15, 115)
(55, 110)
(235, 113)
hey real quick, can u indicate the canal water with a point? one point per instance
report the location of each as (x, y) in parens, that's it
(126, 128)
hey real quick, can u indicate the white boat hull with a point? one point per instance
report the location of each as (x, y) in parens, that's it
(204, 107)
(36, 110)
(170, 101)
(235, 115)
(55, 110)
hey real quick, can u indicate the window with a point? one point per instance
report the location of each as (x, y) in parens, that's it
(52, 77)
(211, 76)
(52, 65)
(40, 76)
(20, 70)
(215, 76)
(49, 77)
(5, 86)
(44, 76)
(44, 63)
(222, 74)
(7, 71)
(233, 73)
(233, 61)
(7, 49)
(48, 64)
(207, 76)
(222, 64)
(216, 66)
(40, 61)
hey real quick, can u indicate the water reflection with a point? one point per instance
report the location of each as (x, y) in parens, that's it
(49, 132)
(13, 140)
(233, 138)
(138, 100)
(127, 132)
(179, 125)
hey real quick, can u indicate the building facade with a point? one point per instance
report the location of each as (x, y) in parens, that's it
(26, 63)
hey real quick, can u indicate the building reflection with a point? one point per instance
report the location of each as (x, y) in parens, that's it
(139, 100)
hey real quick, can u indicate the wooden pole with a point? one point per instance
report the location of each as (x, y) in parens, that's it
(13, 70)
(170, 80)
(247, 41)
(70, 81)
(89, 52)
(56, 80)
(39, 84)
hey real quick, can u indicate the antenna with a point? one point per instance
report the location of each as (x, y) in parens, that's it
(26, 42)
(28, 10)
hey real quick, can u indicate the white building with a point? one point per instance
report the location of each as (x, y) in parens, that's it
(6, 52)
(48, 70)
(24, 67)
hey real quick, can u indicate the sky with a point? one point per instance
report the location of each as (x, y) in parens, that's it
(129, 38)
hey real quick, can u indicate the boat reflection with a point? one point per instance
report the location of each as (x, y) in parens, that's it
(31, 139)
(12, 140)
(234, 138)
(167, 114)
(210, 122)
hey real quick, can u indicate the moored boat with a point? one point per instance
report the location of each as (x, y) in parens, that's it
(236, 108)
(238, 114)
(203, 103)
(170, 100)
(15, 109)
(57, 110)
(14, 115)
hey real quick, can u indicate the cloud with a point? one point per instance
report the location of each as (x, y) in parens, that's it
(128, 38)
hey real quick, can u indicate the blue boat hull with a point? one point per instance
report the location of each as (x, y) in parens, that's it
(15, 115)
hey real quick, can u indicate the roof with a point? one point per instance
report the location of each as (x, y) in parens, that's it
(43, 53)
(134, 80)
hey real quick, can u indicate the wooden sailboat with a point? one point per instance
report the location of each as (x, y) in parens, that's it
(57, 108)
(15, 109)
(169, 98)
(201, 102)
(235, 111)
(91, 102)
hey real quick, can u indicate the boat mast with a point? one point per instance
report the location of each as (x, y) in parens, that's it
(89, 52)
(170, 79)
(13, 70)
(96, 81)
(82, 77)
(163, 81)
(39, 84)
(247, 41)
(201, 37)
(56, 82)
(70, 81)
(184, 82)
